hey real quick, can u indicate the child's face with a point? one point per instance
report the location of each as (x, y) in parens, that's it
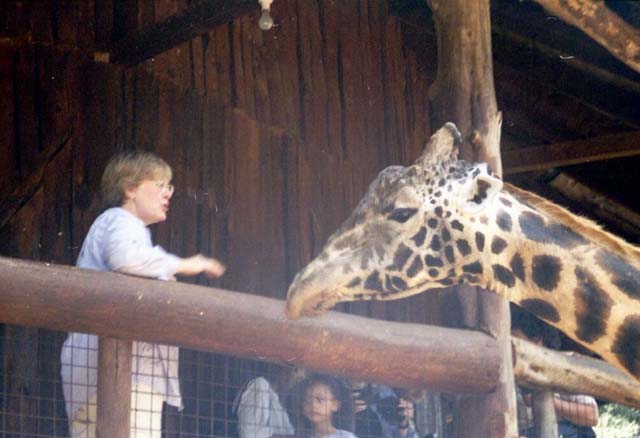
(319, 403)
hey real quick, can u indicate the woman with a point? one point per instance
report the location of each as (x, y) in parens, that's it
(136, 189)
(326, 408)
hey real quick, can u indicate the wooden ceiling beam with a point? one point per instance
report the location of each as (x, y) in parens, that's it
(600, 87)
(546, 114)
(571, 152)
(530, 97)
(197, 19)
(601, 24)
(598, 204)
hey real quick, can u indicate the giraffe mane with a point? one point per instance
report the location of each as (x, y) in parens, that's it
(586, 227)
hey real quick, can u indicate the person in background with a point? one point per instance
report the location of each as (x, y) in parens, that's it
(577, 414)
(326, 408)
(260, 407)
(382, 411)
(136, 189)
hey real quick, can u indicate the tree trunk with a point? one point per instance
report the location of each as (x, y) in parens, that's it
(463, 93)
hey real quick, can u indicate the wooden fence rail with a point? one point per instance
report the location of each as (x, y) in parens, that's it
(203, 318)
(567, 372)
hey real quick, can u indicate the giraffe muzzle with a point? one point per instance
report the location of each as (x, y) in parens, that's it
(314, 306)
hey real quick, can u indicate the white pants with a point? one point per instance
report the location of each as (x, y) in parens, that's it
(146, 415)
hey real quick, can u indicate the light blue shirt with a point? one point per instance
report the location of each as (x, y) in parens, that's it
(260, 413)
(119, 241)
(339, 433)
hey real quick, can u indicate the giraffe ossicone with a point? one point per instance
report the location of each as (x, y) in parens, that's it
(444, 221)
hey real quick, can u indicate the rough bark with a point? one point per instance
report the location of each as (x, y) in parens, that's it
(463, 93)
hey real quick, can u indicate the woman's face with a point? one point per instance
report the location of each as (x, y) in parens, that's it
(319, 403)
(149, 201)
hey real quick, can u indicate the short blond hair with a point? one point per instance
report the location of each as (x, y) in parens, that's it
(127, 170)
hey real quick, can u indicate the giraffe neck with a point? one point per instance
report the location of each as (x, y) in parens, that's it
(569, 272)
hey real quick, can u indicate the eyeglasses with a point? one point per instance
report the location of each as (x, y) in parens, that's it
(163, 185)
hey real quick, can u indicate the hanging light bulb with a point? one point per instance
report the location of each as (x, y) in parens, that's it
(265, 22)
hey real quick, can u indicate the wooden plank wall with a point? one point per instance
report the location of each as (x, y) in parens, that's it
(273, 138)
(335, 81)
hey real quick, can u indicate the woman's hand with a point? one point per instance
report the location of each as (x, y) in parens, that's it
(199, 264)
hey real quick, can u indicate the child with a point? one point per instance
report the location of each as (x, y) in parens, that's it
(324, 409)
(136, 189)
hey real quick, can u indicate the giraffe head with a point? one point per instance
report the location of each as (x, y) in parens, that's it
(400, 239)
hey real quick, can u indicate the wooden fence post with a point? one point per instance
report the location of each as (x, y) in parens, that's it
(114, 387)
(544, 414)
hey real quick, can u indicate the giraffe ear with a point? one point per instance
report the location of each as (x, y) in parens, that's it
(481, 193)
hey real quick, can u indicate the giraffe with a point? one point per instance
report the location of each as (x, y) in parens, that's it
(444, 221)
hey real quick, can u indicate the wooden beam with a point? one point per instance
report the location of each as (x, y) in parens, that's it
(571, 152)
(515, 43)
(71, 299)
(544, 414)
(597, 203)
(115, 305)
(521, 55)
(23, 193)
(463, 92)
(601, 24)
(195, 20)
(610, 92)
(538, 367)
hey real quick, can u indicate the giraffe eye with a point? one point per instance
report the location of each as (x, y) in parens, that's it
(402, 214)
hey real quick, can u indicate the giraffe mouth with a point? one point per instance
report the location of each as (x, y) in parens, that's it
(309, 304)
(315, 289)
